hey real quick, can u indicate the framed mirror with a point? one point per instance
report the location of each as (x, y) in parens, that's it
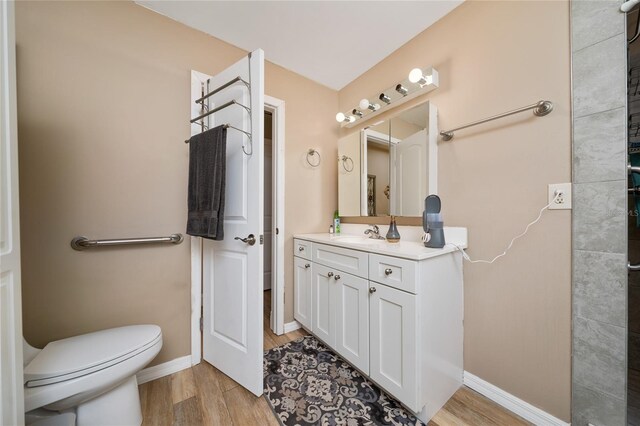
(389, 167)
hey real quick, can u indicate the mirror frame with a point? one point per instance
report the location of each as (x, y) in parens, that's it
(432, 159)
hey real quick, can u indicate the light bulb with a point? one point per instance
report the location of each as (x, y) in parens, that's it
(415, 75)
(340, 117)
(365, 104)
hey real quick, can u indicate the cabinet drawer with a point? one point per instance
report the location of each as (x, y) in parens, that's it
(398, 273)
(351, 261)
(302, 248)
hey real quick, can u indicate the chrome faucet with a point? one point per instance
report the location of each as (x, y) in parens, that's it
(374, 233)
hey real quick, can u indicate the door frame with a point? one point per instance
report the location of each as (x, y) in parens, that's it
(277, 108)
(12, 412)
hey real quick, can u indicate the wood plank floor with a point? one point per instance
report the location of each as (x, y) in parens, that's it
(202, 395)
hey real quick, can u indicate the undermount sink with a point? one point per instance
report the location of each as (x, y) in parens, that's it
(356, 239)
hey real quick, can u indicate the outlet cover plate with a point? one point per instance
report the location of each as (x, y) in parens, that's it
(565, 202)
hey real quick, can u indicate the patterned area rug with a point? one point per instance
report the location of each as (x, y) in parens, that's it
(308, 384)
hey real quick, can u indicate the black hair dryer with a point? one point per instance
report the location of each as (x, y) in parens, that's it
(432, 222)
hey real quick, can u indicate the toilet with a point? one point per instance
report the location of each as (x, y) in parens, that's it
(89, 379)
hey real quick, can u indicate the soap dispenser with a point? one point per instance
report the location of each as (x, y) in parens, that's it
(393, 236)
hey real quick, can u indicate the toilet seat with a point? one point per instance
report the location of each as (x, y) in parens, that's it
(79, 356)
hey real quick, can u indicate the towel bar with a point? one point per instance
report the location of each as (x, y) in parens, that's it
(540, 109)
(82, 243)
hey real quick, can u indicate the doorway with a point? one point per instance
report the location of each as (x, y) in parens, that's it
(274, 210)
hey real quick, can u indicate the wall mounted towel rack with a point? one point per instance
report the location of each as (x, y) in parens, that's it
(540, 109)
(83, 243)
(346, 163)
(311, 153)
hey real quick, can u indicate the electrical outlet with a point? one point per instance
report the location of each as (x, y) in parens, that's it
(563, 201)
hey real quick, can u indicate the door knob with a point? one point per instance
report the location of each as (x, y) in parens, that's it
(307, 266)
(337, 277)
(330, 274)
(372, 290)
(388, 271)
(251, 239)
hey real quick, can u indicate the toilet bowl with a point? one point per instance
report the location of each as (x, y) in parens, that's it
(92, 375)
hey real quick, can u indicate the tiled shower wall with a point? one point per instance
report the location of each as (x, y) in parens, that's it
(599, 55)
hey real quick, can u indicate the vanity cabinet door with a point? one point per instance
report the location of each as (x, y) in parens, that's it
(393, 340)
(324, 286)
(302, 304)
(352, 320)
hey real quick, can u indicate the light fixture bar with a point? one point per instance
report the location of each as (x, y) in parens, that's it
(419, 82)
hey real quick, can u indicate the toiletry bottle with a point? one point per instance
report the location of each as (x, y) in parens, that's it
(331, 229)
(336, 223)
(393, 236)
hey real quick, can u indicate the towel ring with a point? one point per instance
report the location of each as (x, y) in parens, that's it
(312, 152)
(345, 160)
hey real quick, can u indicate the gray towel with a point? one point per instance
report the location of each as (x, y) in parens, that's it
(207, 168)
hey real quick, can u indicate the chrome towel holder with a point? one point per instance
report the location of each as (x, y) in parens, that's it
(311, 153)
(205, 111)
(83, 243)
(344, 161)
(540, 109)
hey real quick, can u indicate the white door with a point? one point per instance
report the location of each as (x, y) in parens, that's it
(12, 402)
(411, 182)
(302, 276)
(393, 362)
(324, 307)
(232, 270)
(352, 320)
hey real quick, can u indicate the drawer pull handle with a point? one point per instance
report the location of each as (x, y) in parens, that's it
(300, 248)
(307, 266)
(388, 271)
(372, 290)
(337, 277)
(330, 274)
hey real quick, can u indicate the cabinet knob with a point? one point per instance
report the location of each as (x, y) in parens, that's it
(300, 248)
(372, 290)
(307, 266)
(337, 277)
(388, 271)
(330, 274)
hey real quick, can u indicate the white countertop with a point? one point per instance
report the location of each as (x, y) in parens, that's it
(409, 247)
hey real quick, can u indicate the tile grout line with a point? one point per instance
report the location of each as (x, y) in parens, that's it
(597, 42)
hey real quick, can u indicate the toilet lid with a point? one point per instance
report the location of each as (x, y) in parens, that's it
(80, 355)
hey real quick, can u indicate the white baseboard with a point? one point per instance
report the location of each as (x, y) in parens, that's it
(510, 402)
(164, 369)
(291, 326)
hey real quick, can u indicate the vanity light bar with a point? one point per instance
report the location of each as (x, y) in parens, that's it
(418, 83)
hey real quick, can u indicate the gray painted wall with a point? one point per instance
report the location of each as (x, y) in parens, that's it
(599, 57)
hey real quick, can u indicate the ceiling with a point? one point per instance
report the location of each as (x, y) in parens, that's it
(330, 42)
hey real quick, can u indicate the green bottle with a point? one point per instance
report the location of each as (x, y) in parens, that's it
(336, 223)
